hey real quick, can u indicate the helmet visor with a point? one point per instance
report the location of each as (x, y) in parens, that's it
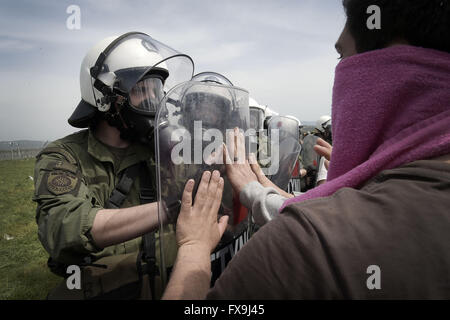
(146, 95)
(327, 125)
(137, 55)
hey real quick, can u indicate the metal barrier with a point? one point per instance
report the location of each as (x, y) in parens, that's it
(18, 154)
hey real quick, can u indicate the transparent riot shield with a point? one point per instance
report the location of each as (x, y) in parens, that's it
(310, 160)
(256, 118)
(283, 130)
(191, 126)
(257, 124)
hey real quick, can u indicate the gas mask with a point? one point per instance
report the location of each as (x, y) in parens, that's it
(135, 117)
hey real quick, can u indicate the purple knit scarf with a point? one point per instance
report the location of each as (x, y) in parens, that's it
(390, 107)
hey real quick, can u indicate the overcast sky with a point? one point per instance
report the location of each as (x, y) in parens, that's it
(282, 52)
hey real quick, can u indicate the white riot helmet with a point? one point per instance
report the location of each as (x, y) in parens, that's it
(323, 123)
(267, 111)
(128, 75)
(271, 113)
(253, 103)
(296, 119)
(210, 76)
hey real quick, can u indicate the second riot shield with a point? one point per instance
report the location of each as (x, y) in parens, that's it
(192, 124)
(283, 139)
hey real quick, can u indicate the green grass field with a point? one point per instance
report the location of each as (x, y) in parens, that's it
(23, 260)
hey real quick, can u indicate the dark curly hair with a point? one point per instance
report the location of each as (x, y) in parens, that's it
(423, 23)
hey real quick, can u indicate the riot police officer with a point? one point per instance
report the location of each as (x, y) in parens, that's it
(323, 128)
(95, 189)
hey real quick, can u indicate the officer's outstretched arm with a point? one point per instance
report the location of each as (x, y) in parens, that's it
(65, 209)
(71, 222)
(113, 226)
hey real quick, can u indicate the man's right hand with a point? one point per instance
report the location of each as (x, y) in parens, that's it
(262, 178)
(242, 171)
(239, 172)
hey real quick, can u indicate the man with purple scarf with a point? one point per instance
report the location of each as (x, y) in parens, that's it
(379, 227)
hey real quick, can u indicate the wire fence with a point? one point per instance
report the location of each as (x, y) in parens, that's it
(18, 154)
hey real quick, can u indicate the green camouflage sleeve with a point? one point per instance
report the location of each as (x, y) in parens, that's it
(65, 209)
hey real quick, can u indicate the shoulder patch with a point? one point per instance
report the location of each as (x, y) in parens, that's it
(60, 182)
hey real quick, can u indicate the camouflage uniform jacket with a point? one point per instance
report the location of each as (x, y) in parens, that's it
(74, 177)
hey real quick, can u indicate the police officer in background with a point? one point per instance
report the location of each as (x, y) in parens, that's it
(323, 129)
(95, 189)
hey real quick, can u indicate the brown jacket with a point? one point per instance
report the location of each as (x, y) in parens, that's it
(326, 248)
